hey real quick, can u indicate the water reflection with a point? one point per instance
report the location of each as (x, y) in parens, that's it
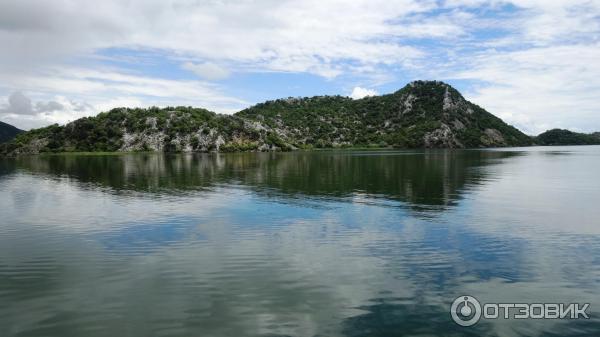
(220, 245)
(434, 177)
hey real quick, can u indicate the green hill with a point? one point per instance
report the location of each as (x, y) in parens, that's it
(428, 114)
(8, 132)
(566, 137)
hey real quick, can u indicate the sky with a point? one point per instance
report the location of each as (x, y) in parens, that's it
(534, 63)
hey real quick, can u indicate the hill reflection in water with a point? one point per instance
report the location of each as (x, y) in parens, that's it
(296, 244)
(420, 178)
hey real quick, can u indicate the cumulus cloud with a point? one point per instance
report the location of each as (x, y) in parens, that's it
(93, 91)
(19, 104)
(23, 113)
(48, 106)
(540, 88)
(498, 46)
(358, 93)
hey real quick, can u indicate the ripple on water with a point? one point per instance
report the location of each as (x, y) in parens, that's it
(360, 244)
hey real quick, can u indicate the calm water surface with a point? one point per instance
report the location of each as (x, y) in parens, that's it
(297, 244)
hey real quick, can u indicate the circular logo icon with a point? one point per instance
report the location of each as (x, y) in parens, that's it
(465, 310)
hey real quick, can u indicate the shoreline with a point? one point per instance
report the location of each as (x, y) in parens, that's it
(341, 149)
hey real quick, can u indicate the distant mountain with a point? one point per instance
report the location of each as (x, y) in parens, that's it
(8, 132)
(566, 137)
(427, 114)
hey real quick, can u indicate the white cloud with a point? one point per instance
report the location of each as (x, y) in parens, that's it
(536, 60)
(277, 35)
(547, 22)
(19, 104)
(207, 70)
(95, 84)
(48, 106)
(540, 88)
(21, 112)
(358, 93)
(94, 91)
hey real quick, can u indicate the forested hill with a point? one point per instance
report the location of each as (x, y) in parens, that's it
(566, 137)
(428, 114)
(8, 132)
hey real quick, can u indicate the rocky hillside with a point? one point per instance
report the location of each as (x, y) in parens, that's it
(8, 132)
(427, 114)
(422, 114)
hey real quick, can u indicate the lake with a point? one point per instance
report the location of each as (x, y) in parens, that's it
(326, 243)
